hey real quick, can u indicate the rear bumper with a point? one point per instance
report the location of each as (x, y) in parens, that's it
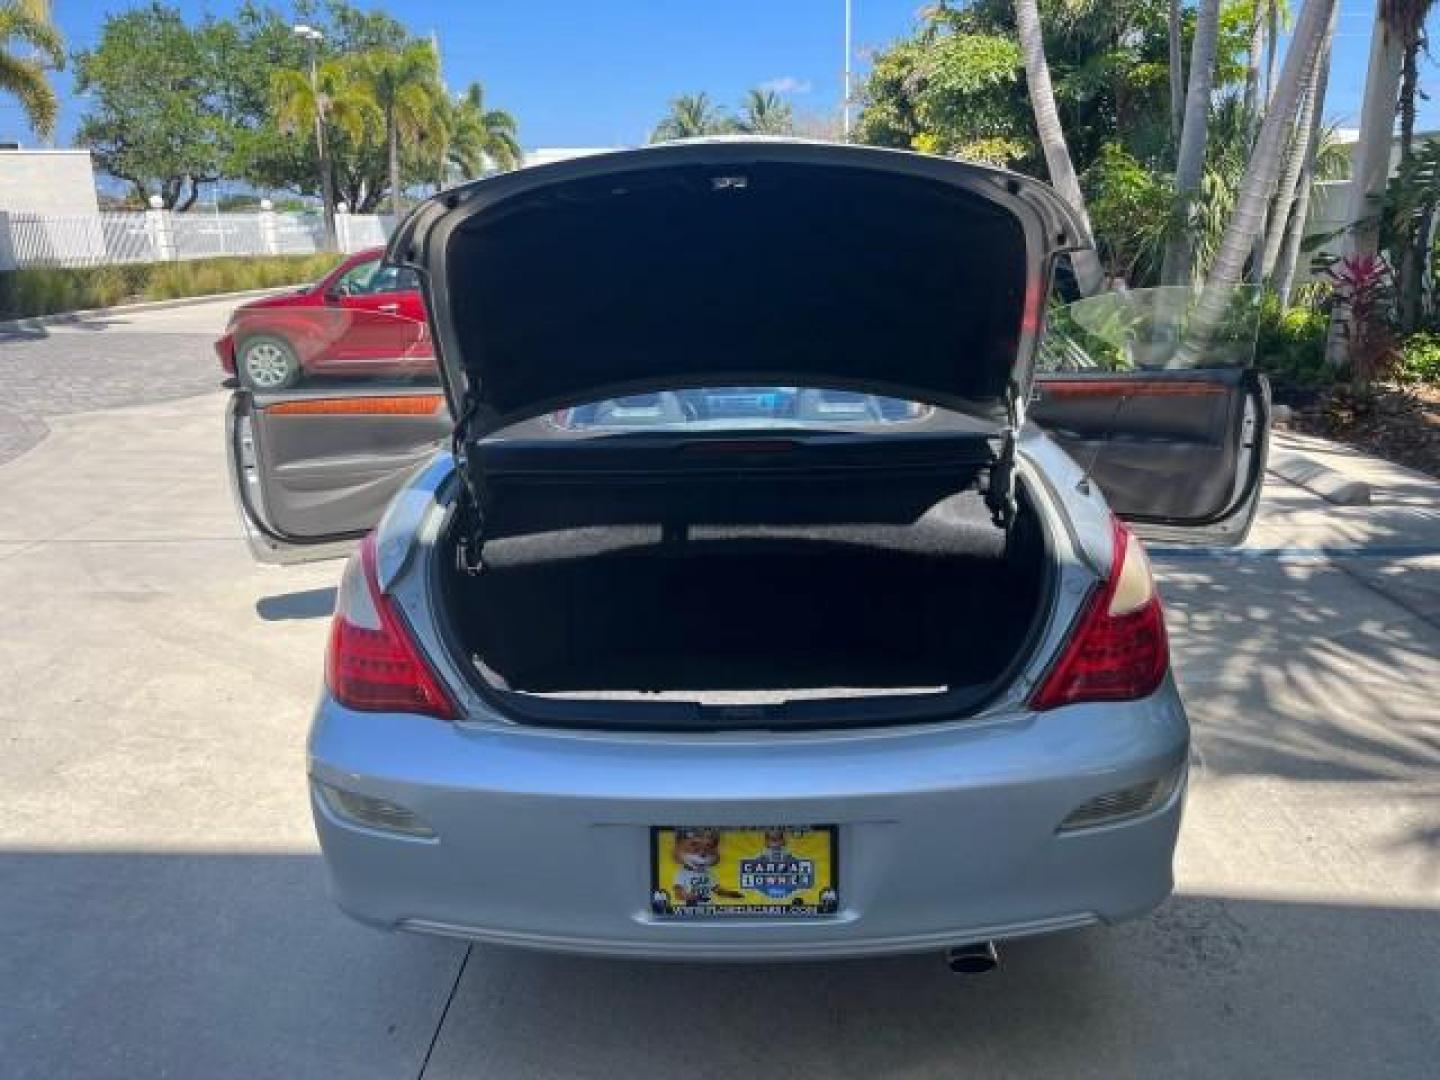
(947, 835)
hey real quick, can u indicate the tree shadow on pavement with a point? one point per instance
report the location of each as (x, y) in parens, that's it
(1301, 669)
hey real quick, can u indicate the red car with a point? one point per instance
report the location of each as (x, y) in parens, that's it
(361, 319)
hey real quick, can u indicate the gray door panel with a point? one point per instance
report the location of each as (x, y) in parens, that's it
(313, 470)
(1179, 453)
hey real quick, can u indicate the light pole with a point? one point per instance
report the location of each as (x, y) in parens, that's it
(312, 38)
(845, 105)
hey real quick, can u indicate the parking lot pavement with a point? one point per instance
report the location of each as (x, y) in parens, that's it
(164, 905)
(104, 360)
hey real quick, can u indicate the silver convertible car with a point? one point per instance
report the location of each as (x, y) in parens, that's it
(751, 584)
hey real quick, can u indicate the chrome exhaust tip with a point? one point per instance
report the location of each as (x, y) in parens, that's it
(975, 958)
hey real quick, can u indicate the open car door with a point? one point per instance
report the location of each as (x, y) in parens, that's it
(1176, 438)
(313, 467)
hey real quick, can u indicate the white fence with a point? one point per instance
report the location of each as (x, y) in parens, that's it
(108, 239)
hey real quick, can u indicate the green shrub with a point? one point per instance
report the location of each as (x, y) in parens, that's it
(1132, 211)
(1419, 359)
(201, 277)
(48, 290)
(1290, 345)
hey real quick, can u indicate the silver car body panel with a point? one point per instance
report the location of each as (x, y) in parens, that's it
(948, 832)
(948, 829)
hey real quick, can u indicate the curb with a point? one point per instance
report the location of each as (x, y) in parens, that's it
(39, 322)
(1332, 486)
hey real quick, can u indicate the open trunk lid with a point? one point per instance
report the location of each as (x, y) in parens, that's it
(737, 263)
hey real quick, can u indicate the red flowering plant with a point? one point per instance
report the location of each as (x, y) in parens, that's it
(1362, 302)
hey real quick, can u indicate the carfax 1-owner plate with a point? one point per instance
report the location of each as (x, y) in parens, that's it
(762, 871)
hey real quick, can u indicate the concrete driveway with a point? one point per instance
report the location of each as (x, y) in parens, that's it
(164, 907)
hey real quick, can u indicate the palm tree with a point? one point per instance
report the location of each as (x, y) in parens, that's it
(691, 116)
(1088, 273)
(472, 138)
(1371, 162)
(1303, 141)
(327, 96)
(1259, 181)
(1258, 27)
(765, 113)
(1268, 18)
(486, 134)
(1409, 25)
(405, 84)
(1175, 30)
(1327, 161)
(28, 22)
(1178, 265)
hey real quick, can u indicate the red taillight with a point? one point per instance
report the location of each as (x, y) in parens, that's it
(1118, 650)
(372, 663)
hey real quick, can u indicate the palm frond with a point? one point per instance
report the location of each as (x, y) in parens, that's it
(28, 22)
(292, 99)
(26, 81)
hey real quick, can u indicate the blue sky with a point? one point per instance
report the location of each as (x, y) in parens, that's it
(595, 73)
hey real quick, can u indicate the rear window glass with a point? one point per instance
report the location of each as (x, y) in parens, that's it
(1146, 330)
(741, 406)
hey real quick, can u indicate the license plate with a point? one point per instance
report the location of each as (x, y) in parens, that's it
(725, 873)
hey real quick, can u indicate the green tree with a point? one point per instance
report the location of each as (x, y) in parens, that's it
(691, 116)
(764, 112)
(157, 117)
(405, 84)
(953, 86)
(1131, 208)
(482, 135)
(272, 156)
(949, 92)
(472, 139)
(332, 99)
(27, 24)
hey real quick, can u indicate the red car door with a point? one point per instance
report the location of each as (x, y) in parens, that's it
(383, 329)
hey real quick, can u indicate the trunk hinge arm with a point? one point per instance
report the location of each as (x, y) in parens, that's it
(470, 550)
(1000, 488)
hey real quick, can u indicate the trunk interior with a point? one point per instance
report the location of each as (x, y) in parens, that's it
(730, 614)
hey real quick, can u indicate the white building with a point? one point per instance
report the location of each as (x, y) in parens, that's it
(1330, 201)
(47, 182)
